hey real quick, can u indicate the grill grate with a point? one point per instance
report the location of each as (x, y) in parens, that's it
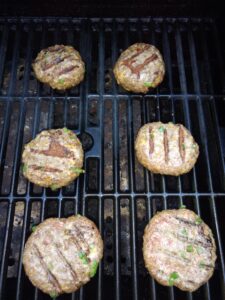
(116, 192)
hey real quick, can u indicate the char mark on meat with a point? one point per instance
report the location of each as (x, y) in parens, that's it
(56, 48)
(45, 169)
(185, 221)
(151, 141)
(181, 143)
(137, 69)
(51, 277)
(54, 62)
(166, 146)
(67, 70)
(55, 150)
(66, 263)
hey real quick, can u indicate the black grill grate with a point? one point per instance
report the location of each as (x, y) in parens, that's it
(116, 192)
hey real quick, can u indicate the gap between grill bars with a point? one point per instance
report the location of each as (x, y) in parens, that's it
(115, 192)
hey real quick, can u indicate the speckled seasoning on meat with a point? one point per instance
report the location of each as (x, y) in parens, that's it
(53, 159)
(59, 66)
(139, 68)
(61, 255)
(179, 249)
(166, 148)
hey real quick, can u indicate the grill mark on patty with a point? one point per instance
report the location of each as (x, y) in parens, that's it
(45, 169)
(137, 69)
(185, 239)
(75, 241)
(151, 141)
(206, 237)
(56, 150)
(185, 221)
(205, 244)
(56, 48)
(50, 276)
(65, 261)
(82, 239)
(190, 282)
(181, 143)
(128, 61)
(73, 237)
(67, 70)
(175, 255)
(54, 62)
(166, 145)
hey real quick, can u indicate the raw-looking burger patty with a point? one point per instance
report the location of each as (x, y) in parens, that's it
(59, 66)
(167, 149)
(53, 159)
(61, 255)
(139, 68)
(179, 249)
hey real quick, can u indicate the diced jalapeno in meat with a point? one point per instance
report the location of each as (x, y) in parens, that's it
(161, 129)
(33, 228)
(93, 269)
(24, 168)
(198, 221)
(183, 255)
(83, 258)
(53, 295)
(189, 248)
(61, 81)
(182, 206)
(77, 170)
(184, 232)
(53, 187)
(148, 84)
(173, 276)
(201, 264)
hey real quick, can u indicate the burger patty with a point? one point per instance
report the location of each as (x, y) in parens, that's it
(179, 249)
(139, 68)
(167, 149)
(61, 255)
(53, 159)
(59, 66)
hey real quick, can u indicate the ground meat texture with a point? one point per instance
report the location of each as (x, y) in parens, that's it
(179, 249)
(139, 68)
(167, 149)
(59, 66)
(61, 255)
(53, 159)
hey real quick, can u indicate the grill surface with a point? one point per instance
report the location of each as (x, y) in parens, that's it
(116, 192)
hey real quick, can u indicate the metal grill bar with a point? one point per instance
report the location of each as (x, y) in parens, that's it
(116, 192)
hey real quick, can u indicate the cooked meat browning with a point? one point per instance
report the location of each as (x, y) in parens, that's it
(167, 149)
(179, 249)
(61, 255)
(139, 68)
(59, 66)
(53, 159)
